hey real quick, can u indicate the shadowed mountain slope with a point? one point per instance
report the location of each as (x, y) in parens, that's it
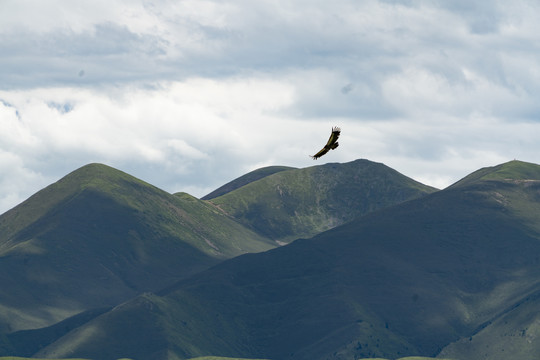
(406, 280)
(297, 203)
(245, 179)
(99, 236)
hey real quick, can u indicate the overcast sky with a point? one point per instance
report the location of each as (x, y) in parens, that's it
(188, 95)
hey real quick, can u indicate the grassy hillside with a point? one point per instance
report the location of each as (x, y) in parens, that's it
(511, 335)
(455, 267)
(98, 237)
(298, 203)
(245, 179)
(199, 358)
(511, 171)
(220, 358)
(21, 358)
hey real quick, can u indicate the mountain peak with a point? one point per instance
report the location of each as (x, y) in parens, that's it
(96, 177)
(300, 203)
(514, 170)
(96, 174)
(246, 179)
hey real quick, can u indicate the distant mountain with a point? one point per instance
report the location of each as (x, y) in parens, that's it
(513, 171)
(245, 179)
(296, 203)
(98, 237)
(454, 273)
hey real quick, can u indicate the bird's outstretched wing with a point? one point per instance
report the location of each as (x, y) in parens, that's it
(321, 152)
(330, 145)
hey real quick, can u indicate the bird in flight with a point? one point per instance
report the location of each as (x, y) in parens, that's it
(330, 145)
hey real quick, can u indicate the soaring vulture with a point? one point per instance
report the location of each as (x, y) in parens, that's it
(330, 145)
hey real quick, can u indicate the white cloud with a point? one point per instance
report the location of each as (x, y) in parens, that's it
(186, 130)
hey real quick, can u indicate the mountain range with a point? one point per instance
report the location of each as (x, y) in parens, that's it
(98, 237)
(338, 261)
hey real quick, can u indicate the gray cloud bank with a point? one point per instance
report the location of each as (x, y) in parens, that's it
(190, 94)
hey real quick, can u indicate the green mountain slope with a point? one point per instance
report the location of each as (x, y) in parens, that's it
(458, 265)
(511, 335)
(511, 171)
(218, 358)
(99, 236)
(245, 179)
(298, 203)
